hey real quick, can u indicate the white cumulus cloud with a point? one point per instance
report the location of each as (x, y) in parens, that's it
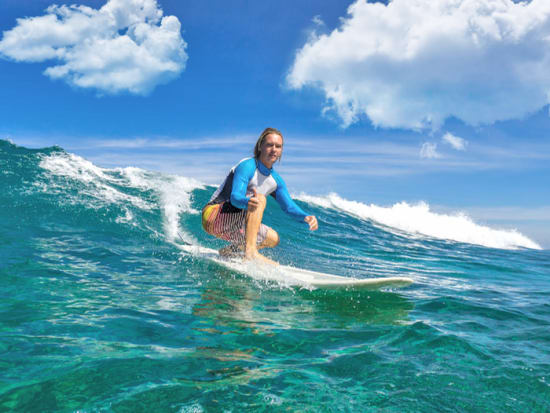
(457, 143)
(429, 150)
(414, 63)
(125, 46)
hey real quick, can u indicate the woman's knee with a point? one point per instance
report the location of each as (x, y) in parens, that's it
(272, 239)
(277, 239)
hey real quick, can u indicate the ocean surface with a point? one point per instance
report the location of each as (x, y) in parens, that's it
(101, 310)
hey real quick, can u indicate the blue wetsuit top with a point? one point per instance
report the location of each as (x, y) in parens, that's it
(252, 173)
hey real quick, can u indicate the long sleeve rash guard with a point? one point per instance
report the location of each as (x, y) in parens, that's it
(252, 173)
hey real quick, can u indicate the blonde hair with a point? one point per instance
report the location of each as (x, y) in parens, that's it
(260, 141)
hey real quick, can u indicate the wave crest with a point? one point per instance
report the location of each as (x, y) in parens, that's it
(418, 219)
(98, 187)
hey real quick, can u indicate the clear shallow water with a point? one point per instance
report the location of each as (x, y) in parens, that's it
(100, 311)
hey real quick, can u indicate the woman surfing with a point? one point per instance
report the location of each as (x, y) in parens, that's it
(235, 211)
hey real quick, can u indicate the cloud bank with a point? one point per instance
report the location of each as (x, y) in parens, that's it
(125, 46)
(414, 63)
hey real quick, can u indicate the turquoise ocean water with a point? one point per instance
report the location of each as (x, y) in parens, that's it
(101, 311)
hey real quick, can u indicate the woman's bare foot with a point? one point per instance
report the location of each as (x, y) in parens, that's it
(256, 256)
(231, 251)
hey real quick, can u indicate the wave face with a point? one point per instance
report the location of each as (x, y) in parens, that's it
(102, 311)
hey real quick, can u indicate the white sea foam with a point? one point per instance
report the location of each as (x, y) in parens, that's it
(106, 186)
(97, 182)
(174, 192)
(419, 220)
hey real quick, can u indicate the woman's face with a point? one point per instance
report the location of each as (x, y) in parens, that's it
(271, 149)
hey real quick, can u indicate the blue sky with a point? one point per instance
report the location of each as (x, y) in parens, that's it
(418, 100)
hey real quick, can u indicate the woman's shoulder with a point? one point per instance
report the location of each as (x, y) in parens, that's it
(246, 165)
(247, 161)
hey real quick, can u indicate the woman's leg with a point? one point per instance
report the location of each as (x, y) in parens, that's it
(253, 222)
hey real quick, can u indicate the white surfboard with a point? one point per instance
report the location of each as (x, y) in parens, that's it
(297, 277)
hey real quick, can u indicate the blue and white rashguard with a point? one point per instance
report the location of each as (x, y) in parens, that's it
(252, 173)
(228, 219)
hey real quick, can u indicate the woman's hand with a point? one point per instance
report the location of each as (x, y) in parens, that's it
(312, 221)
(254, 202)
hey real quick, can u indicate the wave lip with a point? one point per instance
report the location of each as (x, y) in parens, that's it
(418, 219)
